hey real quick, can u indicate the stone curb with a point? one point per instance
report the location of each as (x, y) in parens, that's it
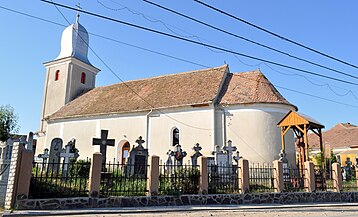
(134, 210)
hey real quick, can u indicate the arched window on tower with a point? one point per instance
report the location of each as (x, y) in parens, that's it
(57, 75)
(175, 137)
(83, 78)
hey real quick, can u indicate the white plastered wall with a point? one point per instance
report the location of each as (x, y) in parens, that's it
(253, 130)
(195, 126)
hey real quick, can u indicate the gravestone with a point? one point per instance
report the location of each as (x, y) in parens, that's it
(220, 156)
(348, 169)
(103, 142)
(194, 158)
(178, 155)
(229, 149)
(30, 141)
(54, 158)
(138, 158)
(44, 157)
(237, 157)
(67, 155)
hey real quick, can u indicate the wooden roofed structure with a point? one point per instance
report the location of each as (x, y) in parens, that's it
(301, 124)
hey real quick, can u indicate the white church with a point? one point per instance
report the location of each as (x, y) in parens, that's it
(208, 106)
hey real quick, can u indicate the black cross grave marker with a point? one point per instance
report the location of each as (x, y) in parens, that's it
(103, 142)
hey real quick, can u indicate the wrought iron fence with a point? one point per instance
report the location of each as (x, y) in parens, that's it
(176, 179)
(329, 181)
(223, 179)
(293, 179)
(123, 179)
(320, 179)
(349, 179)
(59, 180)
(261, 178)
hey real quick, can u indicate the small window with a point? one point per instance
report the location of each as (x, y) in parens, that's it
(83, 78)
(57, 75)
(175, 137)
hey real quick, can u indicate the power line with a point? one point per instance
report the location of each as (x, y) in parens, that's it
(180, 59)
(250, 41)
(276, 35)
(203, 44)
(166, 25)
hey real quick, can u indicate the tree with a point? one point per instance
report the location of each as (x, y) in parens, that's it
(8, 122)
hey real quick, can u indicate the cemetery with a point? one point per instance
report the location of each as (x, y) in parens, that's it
(61, 180)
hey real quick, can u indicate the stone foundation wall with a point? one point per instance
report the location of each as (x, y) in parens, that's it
(219, 199)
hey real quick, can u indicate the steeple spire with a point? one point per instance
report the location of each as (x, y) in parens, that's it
(78, 12)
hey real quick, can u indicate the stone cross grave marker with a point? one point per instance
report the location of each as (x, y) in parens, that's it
(66, 155)
(237, 157)
(103, 142)
(44, 157)
(194, 158)
(138, 158)
(229, 151)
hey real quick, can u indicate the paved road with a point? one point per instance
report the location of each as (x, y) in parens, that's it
(337, 210)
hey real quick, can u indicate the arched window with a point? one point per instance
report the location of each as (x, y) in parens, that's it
(57, 75)
(83, 78)
(125, 152)
(175, 136)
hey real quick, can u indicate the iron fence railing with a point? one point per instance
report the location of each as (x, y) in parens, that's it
(293, 179)
(123, 180)
(59, 180)
(178, 179)
(223, 179)
(320, 179)
(349, 180)
(261, 178)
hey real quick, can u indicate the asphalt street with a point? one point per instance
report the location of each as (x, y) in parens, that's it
(296, 210)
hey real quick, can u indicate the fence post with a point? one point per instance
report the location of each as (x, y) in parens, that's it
(243, 173)
(203, 182)
(17, 150)
(95, 175)
(337, 177)
(25, 172)
(153, 176)
(278, 176)
(310, 182)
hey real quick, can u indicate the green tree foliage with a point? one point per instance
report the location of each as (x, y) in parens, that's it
(8, 122)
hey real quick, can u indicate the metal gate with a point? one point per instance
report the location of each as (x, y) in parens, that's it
(320, 179)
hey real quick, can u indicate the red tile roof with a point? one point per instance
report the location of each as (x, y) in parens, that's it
(251, 87)
(175, 90)
(343, 135)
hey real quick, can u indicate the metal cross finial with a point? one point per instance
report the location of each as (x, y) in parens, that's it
(140, 141)
(78, 12)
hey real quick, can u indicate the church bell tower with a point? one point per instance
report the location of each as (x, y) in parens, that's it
(70, 74)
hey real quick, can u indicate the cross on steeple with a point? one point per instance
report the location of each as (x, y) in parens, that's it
(103, 142)
(78, 12)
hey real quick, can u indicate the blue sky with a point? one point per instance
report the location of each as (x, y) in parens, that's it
(328, 26)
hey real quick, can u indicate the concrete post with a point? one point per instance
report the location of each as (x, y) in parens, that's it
(95, 175)
(203, 182)
(25, 172)
(337, 177)
(153, 176)
(243, 173)
(278, 176)
(13, 175)
(310, 182)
